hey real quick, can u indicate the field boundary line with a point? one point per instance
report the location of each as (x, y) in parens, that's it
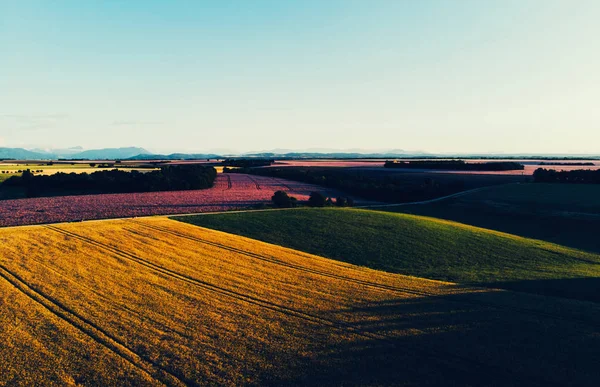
(381, 287)
(454, 195)
(90, 329)
(340, 325)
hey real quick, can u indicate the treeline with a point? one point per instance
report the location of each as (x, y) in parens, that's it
(579, 176)
(363, 183)
(558, 163)
(168, 178)
(247, 163)
(281, 199)
(456, 165)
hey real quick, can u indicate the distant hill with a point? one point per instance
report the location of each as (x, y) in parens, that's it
(60, 153)
(337, 155)
(110, 153)
(20, 154)
(274, 155)
(174, 156)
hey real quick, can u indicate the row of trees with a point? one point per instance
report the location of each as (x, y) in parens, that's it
(168, 178)
(456, 165)
(579, 176)
(316, 199)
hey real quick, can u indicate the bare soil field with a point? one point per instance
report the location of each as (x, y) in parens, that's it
(158, 302)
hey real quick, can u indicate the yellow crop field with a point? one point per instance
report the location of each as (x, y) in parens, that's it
(153, 301)
(8, 169)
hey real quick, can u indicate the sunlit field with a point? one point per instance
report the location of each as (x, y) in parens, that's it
(45, 169)
(159, 302)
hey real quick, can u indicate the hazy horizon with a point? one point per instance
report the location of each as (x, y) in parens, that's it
(437, 76)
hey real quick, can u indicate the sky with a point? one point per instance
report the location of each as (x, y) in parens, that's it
(503, 76)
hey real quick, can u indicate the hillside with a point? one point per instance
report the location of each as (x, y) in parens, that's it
(21, 154)
(567, 214)
(159, 302)
(424, 247)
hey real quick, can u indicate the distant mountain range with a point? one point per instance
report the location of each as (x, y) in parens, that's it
(175, 156)
(71, 153)
(136, 153)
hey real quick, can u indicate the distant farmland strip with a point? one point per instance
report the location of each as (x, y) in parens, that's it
(231, 192)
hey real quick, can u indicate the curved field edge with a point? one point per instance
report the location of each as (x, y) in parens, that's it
(567, 214)
(212, 308)
(423, 247)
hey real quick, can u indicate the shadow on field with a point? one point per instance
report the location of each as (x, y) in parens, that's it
(568, 230)
(487, 338)
(586, 289)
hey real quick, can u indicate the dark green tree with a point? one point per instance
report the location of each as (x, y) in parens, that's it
(282, 200)
(316, 199)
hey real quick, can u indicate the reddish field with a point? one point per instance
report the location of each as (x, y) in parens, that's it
(231, 192)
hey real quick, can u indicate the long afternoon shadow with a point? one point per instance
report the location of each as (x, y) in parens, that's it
(585, 289)
(491, 338)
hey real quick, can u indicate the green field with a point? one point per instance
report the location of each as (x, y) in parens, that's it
(423, 247)
(567, 214)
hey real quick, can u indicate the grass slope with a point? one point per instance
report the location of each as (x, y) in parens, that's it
(567, 214)
(420, 246)
(159, 302)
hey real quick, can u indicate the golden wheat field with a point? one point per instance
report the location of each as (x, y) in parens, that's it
(154, 301)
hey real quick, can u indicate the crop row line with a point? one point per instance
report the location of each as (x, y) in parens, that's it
(92, 330)
(255, 182)
(116, 304)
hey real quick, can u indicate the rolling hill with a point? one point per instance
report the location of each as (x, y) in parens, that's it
(567, 214)
(421, 246)
(158, 302)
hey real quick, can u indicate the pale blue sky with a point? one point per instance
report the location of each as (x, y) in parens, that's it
(439, 76)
